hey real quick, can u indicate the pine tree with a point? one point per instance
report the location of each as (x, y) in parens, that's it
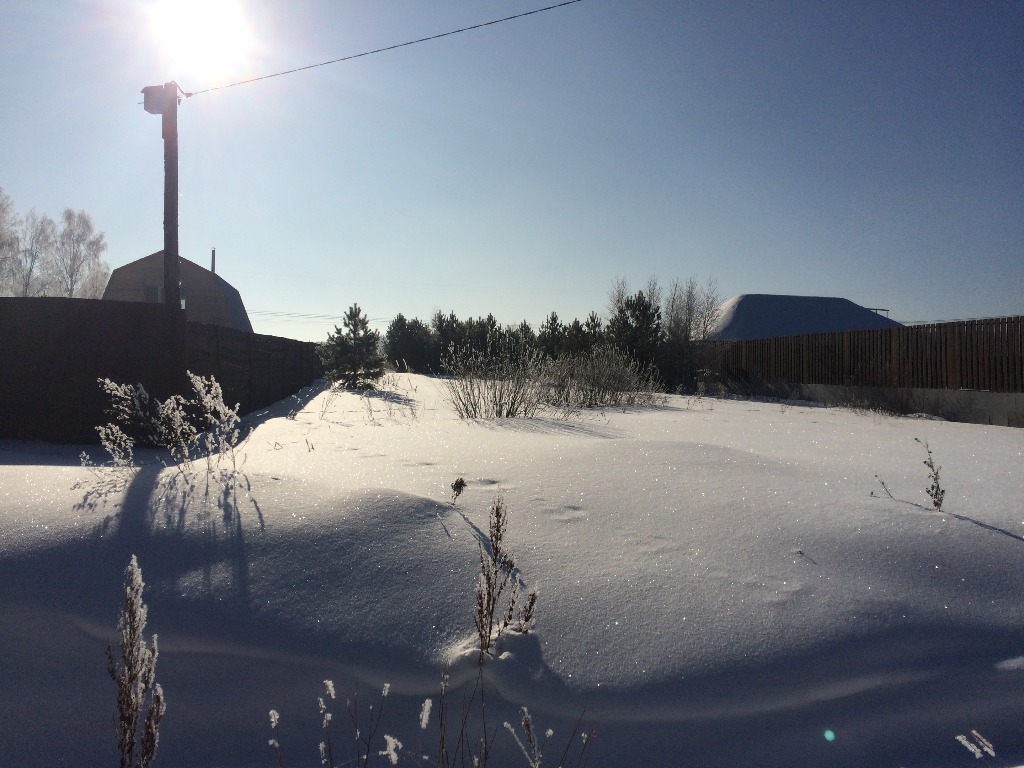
(352, 357)
(552, 336)
(636, 329)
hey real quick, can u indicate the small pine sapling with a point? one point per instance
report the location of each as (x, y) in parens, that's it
(352, 357)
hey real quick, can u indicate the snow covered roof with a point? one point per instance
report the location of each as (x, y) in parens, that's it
(766, 315)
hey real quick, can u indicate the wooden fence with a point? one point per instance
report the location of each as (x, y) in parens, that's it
(252, 369)
(971, 354)
(53, 350)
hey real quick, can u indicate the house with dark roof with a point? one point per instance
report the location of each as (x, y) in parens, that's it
(206, 296)
(765, 316)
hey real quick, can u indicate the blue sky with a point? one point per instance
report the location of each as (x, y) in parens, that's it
(873, 151)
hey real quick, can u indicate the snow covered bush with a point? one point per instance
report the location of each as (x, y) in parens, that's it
(118, 445)
(220, 422)
(174, 429)
(502, 381)
(134, 674)
(512, 378)
(132, 410)
(603, 377)
(176, 424)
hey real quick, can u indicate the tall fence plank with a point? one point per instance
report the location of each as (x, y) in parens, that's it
(972, 354)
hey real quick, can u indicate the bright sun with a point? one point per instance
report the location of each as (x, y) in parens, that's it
(204, 40)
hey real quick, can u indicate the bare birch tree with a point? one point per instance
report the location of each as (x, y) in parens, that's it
(38, 258)
(617, 295)
(653, 291)
(31, 260)
(8, 241)
(708, 302)
(77, 257)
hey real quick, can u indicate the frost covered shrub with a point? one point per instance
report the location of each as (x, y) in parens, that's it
(132, 410)
(176, 424)
(116, 443)
(502, 381)
(134, 673)
(219, 421)
(512, 378)
(603, 377)
(174, 429)
(146, 420)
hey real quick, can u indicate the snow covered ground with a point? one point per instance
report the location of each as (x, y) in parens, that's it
(722, 583)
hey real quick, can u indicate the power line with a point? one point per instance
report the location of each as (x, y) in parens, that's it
(381, 50)
(280, 316)
(296, 315)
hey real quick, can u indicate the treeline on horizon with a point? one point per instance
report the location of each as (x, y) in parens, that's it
(658, 328)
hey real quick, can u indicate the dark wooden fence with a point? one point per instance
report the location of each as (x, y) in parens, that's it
(972, 354)
(53, 350)
(253, 370)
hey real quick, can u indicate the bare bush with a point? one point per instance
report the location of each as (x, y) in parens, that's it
(510, 378)
(603, 377)
(499, 382)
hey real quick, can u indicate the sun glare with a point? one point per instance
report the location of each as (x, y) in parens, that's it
(201, 40)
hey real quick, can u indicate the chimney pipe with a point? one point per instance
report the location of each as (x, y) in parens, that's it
(213, 261)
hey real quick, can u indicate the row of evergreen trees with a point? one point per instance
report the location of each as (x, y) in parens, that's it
(655, 326)
(658, 328)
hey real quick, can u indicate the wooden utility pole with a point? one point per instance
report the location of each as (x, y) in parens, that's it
(163, 100)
